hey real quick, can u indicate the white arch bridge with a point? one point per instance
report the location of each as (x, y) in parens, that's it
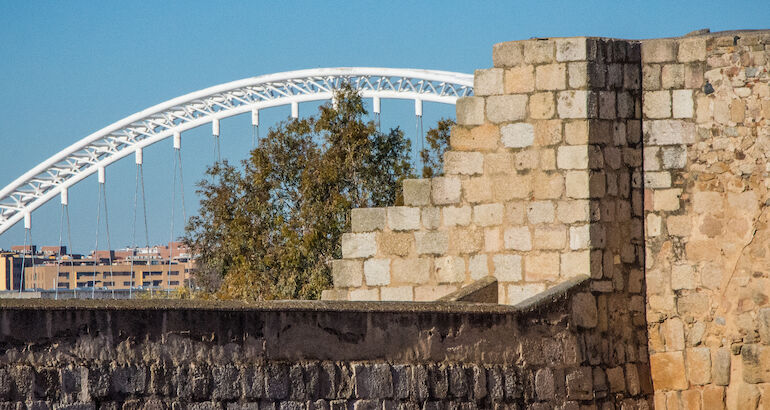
(93, 153)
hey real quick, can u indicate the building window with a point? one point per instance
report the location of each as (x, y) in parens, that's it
(108, 284)
(65, 275)
(64, 285)
(174, 283)
(174, 273)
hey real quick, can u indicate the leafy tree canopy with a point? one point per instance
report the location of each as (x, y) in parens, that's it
(269, 228)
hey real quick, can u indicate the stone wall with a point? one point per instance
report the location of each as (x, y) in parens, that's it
(707, 142)
(565, 146)
(542, 183)
(312, 355)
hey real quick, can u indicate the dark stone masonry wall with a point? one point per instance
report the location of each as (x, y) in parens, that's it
(546, 353)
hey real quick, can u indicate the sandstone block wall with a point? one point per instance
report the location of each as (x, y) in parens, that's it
(706, 147)
(542, 183)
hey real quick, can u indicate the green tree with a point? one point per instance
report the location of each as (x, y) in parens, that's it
(270, 228)
(438, 143)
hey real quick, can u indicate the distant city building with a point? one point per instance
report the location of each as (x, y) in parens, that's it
(151, 268)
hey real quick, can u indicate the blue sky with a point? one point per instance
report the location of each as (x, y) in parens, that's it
(70, 68)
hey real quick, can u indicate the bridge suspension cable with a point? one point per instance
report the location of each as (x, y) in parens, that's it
(122, 138)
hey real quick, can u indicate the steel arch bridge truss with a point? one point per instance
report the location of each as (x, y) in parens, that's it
(83, 158)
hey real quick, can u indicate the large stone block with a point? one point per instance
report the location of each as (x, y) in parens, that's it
(399, 293)
(538, 51)
(669, 132)
(698, 365)
(573, 104)
(373, 381)
(470, 110)
(659, 51)
(668, 371)
(551, 77)
(571, 49)
(517, 238)
(488, 82)
(692, 49)
(519, 79)
(482, 138)
(519, 293)
(403, 218)
(377, 271)
(457, 215)
(756, 363)
(450, 269)
(436, 243)
(542, 106)
(347, 273)
(466, 240)
(465, 163)
(507, 267)
(410, 270)
(358, 245)
(540, 212)
(550, 237)
(367, 219)
(507, 54)
(488, 214)
(575, 263)
(446, 190)
(519, 135)
(541, 267)
(572, 157)
(416, 193)
(396, 243)
(506, 108)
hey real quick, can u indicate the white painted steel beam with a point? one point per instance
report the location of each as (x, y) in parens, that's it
(71, 165)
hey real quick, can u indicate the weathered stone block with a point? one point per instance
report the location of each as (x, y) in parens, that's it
(657, 104)
(482, 138)
(506, 108)
(478, 267)
(465, 240)
(550, 237)
(548, 185)
(668, 371)
(541, 267)
(507, 54)
(551, 77)
(519, 79)
(488, 214)
(477, 189)
(682, 104)
(431, 242)
(672, 76)
(450, 269)
(457, 215)
(698, 365)
(226, 383)
(579, 383)
(659, 51)
(465, 163)
(692, 49)
(358, 245)
(519, 135)
(410, 270)
(403, 218)
(416, 193)
(377, 272)
(574, 104)
(431, 217)
(575, 263)
(517, 238)
(507, 267)
(720, 366)
(542, 106)
(446, 190)
(540, 212)
(347, 273)
(538, 51)
(373, 381)
(371, 294)
(756, 363)
(545, 388)
(669, 132)
(277, 381)
(571, 49)
(395, 243)
(573, 211)
(470, 110)
(572, 157)
(488, 82)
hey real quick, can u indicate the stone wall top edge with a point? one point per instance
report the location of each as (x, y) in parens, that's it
(265, 306)
(684, 36)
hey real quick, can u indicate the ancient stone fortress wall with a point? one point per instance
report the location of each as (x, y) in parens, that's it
(565, 146)
(706, 147)
(77, 355)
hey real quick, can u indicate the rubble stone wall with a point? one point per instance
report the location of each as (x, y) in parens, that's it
(312, 355)
(706, 147)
